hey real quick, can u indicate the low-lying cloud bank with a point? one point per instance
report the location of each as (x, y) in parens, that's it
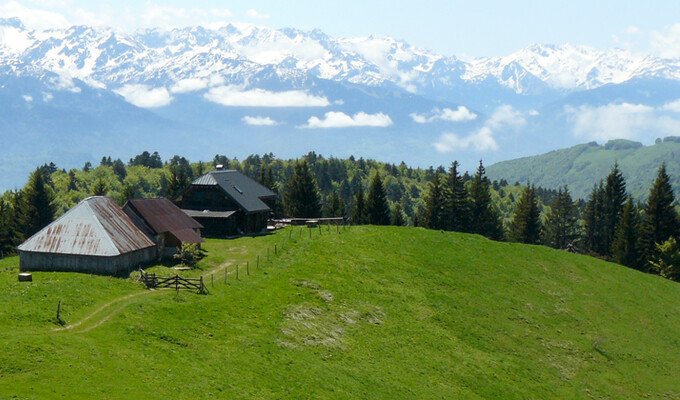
(460, 114)
(233, 96)
(335, 119)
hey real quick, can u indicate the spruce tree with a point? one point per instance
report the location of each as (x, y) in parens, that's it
(484, 218)
(301, 198)
(377, 208)
(614, 201)
(398, 216)
(526, 224)
(434, 204)
(456, 208)
(561, 223)
(593, 220)
(99, 188)
(626, 248)
(39, 208)
(661, 220)
(359, 210)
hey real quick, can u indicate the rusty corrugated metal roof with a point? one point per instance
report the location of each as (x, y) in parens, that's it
(95, 227)
(187, 236)
(162, 215)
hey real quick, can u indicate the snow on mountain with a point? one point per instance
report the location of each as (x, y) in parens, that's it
(106, 57)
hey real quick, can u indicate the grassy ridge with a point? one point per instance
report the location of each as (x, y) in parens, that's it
(370, 313)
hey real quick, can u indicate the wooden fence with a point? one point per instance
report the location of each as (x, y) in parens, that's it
(152, 281)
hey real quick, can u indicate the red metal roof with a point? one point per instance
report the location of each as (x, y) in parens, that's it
(163, 216)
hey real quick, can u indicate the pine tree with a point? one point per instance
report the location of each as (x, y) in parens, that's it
(99, 188)
(39, 208)
(561, 223)
(301, 198)
(661, 220)
(526, 224)
(484, 218)
(333, 207)
(359, 211)
(398, 216)
(456, 213)
(593, 220)
(626, 248)
(377, 208)
(614, 201)
(434, 204)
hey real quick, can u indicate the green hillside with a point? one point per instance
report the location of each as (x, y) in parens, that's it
(584, 165)
(374, 313)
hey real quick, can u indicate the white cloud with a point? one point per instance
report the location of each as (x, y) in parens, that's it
(335, 119)
(27, 98)
(632, 30)
(460, 114)
(252, 13)
(667, 43)
(47, 97)
(534, 113)
(189, 85)
(622, 121)
(34, 18)
(145, 97)
(259, 121)
(504, 118)
(236, 97)
(672, 106)
(171, 17)
(64, 82)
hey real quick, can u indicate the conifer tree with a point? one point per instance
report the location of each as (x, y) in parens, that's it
(526, 224)
(561, 223)
(359, 210)
(661, 220)
(456, 208)
(626, 248)
(434, 204)
(39, 208)
(301, 198)
(334, 207)
(484, 218)
(398, 216)
(377, 208)
(614, 201)
(99, 188)
(593, 220)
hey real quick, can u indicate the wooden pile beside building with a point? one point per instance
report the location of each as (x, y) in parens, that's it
(228, 203)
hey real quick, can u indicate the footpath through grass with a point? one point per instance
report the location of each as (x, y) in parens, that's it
(375, 313)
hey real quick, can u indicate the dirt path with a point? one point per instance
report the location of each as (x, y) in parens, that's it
(109, 309)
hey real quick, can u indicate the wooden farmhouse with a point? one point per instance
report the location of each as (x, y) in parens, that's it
(228, 203)
(94, 237)
(164, 223)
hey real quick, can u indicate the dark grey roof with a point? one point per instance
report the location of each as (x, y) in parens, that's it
(245, 191)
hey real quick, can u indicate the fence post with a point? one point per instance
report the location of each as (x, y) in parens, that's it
(212, 280)
(337, 229)
(248, 268)
(202, 289)
(226, 269)
(319, 229)
(290, 232)
(258, 262)
(58, 311)
(237, 272)
(275, 249)
(177, 282)
(328, 226)
(310, 233)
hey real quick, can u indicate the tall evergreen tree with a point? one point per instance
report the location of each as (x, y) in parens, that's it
(484, 218)
(594, 237)
(39, 208)
(661, 220)
(614, 201)
(377, 208)
(526, 224)
(398, 216)
(99, 188)
(301, 198)
(456, 213)
(561, 222)
(626, 248)
(434, 204)
(359, 210)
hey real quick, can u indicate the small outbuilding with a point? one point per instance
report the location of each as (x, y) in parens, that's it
(164, 223)
(94, 237)
(228, 203)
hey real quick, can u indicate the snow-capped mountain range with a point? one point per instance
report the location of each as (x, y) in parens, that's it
(75, 94)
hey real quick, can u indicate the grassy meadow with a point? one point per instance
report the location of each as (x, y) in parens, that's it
(369, 312)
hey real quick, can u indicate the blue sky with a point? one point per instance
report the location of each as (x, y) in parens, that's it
(462, 28)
